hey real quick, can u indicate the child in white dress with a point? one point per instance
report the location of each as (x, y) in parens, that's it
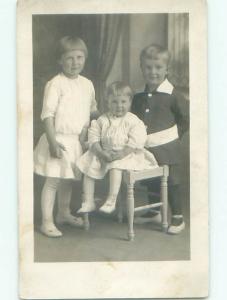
(69, 102)
(116, 143)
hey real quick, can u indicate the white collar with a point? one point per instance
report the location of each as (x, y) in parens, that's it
(165, 87)
(71, 79)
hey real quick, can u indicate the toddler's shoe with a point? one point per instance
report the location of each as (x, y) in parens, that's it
(86, 208)
(50, 230)
(109, 206)
(149, 217)
(70, 220)
(177, 225)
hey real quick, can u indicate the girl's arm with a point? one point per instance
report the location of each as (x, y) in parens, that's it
(54, 146)
(83, 137)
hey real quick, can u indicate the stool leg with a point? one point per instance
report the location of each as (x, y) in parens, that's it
(86, 221)
(164, 200)
(120, 208)
(130, 210)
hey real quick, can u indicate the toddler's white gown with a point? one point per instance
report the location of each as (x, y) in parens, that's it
(114, 133)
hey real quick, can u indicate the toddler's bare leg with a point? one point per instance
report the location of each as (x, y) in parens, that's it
(115, 184)
(47, 206)
(88, 203)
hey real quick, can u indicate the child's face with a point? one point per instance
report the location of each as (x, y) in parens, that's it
(119, 105)
(154, 71)
(72, 63)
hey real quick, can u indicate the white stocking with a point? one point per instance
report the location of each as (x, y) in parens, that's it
(115, 183)
(88, 189)
(48, 199)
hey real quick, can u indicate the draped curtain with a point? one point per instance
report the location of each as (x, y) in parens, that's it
(101, 34)
(178, 45)
(105, 32)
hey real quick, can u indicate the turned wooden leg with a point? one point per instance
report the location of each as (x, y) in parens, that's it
(120, 208)
(164, 199)
(130, 210)
(86, 221)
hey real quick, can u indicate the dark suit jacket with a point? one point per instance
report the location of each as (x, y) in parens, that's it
(161, 111)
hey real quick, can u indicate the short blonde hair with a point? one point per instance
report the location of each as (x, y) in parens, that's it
(68, 43)
(118, 88)
(154, 51)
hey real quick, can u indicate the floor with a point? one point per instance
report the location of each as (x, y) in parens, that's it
(107, 239)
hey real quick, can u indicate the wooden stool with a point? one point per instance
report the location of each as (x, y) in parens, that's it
(130, 178)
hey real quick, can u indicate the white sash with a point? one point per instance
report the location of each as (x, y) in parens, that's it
(162, 137)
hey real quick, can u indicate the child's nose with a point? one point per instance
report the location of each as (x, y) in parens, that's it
(74, 61)
(153, 70)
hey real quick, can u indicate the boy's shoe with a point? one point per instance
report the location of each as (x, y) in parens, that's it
(50, 230)
(177, 225)
(109, 206)
(86, 208)
(70, 220)
(149, 217)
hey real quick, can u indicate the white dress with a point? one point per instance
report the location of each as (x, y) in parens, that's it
(70, 102)
(114, 133)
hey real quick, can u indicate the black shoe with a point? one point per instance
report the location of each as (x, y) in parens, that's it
(149, 217)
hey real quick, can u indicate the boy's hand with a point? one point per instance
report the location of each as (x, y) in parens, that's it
(56, 150)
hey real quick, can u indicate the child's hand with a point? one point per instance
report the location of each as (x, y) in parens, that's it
(118, 154)
(56, 150)
(107, 156)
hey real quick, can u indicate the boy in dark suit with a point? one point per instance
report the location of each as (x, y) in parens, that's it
(166, 116)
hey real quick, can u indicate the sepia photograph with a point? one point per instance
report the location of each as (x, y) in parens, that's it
(111, 100)
(112, 148)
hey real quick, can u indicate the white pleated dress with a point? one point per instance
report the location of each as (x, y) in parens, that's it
(114, 133)
(70, 102)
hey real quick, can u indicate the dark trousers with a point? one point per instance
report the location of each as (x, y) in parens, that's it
(174, 187)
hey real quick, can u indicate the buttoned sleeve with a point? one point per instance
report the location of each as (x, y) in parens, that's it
(93, 107)
(137, 135)
(50, 100)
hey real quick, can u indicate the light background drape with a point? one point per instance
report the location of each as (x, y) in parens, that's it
(178, 45)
